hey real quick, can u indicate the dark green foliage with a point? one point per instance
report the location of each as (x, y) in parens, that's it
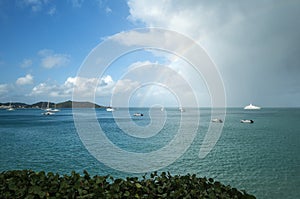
(29, 184)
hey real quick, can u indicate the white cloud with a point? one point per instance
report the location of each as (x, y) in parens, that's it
(28, 79)
(77, 3)
(45, 52)
(87, 87)
(138, 38)
(139, 64)
(125, 86)
(26, 63)
(43, 89)
(193, 18)
(90, 86)
(149, 82)
(39, 6)
(36, 5)
(108, 10)
(3, 88)
(52, 11)
(47, 90)
(49, 59)
(246, 40)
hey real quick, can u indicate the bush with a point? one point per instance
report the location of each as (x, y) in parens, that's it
(29, 184)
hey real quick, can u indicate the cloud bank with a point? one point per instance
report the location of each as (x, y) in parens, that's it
(88, 87)
(254, 43)
(50, 59)
(28, 79)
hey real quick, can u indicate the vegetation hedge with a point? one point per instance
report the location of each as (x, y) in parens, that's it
(29, 184)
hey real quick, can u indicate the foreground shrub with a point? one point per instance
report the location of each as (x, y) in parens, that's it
(30, 184)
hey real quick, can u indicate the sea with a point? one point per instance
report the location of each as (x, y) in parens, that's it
(261, 158)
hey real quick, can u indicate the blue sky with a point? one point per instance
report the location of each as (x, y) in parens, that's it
(255, 46)
(70, 32)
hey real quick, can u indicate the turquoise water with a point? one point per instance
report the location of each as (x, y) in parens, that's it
(262, 158)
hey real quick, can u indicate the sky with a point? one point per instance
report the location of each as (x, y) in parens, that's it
(255, 46)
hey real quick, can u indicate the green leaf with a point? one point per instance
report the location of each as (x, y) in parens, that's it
(126, 193)
(138, 185)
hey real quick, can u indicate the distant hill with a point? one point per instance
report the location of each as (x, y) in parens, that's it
(66, 104)
(15, 104)
(69, 104)
(42, 105)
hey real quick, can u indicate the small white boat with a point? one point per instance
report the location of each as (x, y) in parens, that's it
(10, 108)
(247, 121)
(138, 114)
(55, 109)
(217, 120)
(251, 107)
(110, 109)
(48, 107)
(181, 109)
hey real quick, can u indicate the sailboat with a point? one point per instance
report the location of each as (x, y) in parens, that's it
(49, 111)
(48, 107)
(55, 109)
(10, 108)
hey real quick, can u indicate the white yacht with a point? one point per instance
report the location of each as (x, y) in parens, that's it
(138, 114)
(251, 107)
(110, 109)
(247, 121)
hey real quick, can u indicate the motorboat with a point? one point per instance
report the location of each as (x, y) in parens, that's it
(251, 107)
(110, 109)
(217, 120)
(138, 114)
(247, 121)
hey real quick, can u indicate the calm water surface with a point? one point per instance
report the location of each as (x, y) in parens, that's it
(262, 158)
